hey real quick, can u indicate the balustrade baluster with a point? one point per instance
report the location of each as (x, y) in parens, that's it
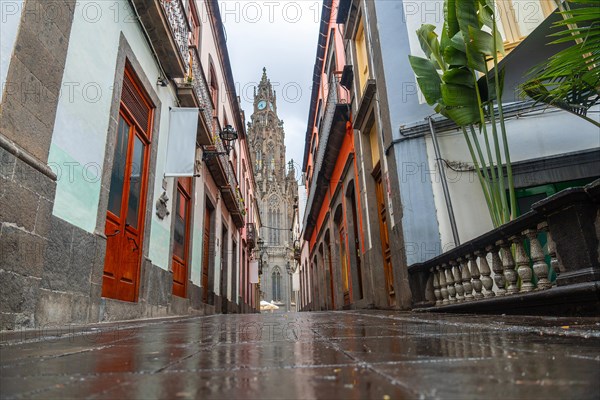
(450, 283)
(540, 268)
(522, 261)
(436, 287)
(554, 262)
(498, 270)
(466, 278)
(508, 267)
(477, 285)
(443, 284)
(484, 267)
(460, 291)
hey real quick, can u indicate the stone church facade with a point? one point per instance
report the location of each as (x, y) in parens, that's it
(277, 195)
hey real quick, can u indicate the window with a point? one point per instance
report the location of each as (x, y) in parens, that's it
(274, 221)
(518, 18)
(214, 88)
(276, 284)
(258, 163)
(194, 36)
(361, 57)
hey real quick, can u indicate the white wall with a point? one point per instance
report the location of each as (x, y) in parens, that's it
(535, 135)
(78, 144)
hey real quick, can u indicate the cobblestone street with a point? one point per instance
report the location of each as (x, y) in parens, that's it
(350, 354)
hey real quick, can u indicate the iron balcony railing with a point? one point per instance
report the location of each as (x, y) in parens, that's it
(201, 89)
(178, 24)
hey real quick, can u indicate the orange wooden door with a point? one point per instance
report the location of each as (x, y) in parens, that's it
(127, 194)
(330, 265)
(124, 217)
(181, 234)
(385, 241)
(205, 254)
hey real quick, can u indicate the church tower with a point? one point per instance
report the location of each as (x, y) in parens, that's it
(277, 193)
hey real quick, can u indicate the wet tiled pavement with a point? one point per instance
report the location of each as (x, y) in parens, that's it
(345, 355)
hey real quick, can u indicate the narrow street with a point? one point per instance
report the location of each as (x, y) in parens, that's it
(348, 354)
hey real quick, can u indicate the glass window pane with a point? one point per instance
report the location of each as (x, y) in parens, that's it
(529, 15)
(117, 177)
(135, 182)
(179, 234)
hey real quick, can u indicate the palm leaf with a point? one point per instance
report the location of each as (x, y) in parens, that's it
(570, 79)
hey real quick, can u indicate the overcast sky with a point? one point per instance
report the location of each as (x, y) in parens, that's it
(281, 36)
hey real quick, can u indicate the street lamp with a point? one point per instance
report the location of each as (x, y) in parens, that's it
(228, 135)
(260, 251)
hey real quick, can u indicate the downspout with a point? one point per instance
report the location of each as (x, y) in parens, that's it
(440, 165)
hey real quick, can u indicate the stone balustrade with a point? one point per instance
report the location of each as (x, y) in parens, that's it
(510, 262)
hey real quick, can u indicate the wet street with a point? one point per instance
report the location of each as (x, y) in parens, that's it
(346, 355)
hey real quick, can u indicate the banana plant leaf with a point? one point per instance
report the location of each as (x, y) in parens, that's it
(428, 78)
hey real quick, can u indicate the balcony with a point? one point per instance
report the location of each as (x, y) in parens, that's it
(331, 137)
(167, 27)
(193, 92)
(508, 271)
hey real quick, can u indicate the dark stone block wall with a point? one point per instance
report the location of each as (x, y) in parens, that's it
(26, 199)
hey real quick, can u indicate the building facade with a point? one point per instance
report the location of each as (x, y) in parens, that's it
(94, 227)
(277, 195)
(400, 195)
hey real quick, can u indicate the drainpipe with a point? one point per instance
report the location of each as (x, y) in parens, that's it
(440, 165)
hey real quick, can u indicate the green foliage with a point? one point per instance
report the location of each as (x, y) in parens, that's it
(570, 79)
(448, 79)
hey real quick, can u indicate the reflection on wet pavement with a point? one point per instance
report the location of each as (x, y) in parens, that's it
(346, 355)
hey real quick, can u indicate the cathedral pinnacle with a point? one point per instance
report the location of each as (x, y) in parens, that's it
(264, 75)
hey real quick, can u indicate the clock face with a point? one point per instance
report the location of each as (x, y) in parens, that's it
(271, 106)
(262, 104)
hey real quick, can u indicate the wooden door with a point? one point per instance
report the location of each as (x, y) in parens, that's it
(181, 235)
(206, 253)
(344, 266)
(359, 289)
(330, 265)
(127, 194)
(383, 233)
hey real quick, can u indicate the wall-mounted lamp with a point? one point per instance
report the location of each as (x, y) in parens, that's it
(162, 82)
(228, 135)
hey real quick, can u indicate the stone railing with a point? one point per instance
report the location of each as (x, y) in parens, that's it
(511, 261)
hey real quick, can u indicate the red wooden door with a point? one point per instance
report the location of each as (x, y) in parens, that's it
(385, 242)
(205, 254)
(127, 195)
(181, 236)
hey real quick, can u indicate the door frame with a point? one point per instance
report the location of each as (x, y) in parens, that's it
(189, 194)
(145, 135)
(127, 58)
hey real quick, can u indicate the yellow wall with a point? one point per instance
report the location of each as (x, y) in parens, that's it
(361, 58)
